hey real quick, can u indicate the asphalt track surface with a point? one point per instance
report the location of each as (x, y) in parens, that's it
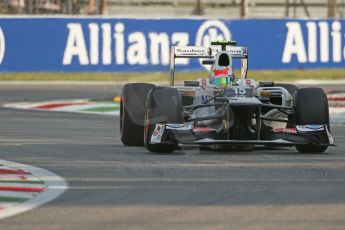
(117, 187)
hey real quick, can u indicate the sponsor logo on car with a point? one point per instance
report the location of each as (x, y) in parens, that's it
(205, 98)
(157, 134)
(157, 130)
(191, 51)
(181, 127)
(203, 129)
(285, 130)
(309, 128)
(315, 127)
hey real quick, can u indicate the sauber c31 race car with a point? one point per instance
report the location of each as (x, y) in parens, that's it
(222, 111)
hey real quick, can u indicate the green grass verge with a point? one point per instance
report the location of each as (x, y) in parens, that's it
(279, 75)
(12, 199)
(102, 109)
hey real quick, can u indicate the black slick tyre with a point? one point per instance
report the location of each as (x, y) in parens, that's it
(164, 105)
(132, 113)
(311, 107)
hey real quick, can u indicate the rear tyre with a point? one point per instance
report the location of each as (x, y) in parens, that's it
(132, 113)
(164, 105)
(311, 107)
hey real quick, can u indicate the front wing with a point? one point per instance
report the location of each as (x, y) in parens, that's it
(187, 134)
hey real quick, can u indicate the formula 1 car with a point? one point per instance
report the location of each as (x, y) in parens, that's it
(223, 111)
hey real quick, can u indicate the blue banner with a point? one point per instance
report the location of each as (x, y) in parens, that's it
(134, 45)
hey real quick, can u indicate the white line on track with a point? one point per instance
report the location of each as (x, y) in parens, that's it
(53, 184)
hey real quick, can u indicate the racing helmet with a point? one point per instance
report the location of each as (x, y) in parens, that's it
(221, 73)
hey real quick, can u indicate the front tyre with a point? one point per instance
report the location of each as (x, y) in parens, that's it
(132, 113)
(311, 107)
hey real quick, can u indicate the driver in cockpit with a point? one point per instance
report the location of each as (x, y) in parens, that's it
(221, 74)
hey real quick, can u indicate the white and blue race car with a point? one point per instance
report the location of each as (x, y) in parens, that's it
(221, 110)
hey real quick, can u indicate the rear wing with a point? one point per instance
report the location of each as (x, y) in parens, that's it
(203, 52)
